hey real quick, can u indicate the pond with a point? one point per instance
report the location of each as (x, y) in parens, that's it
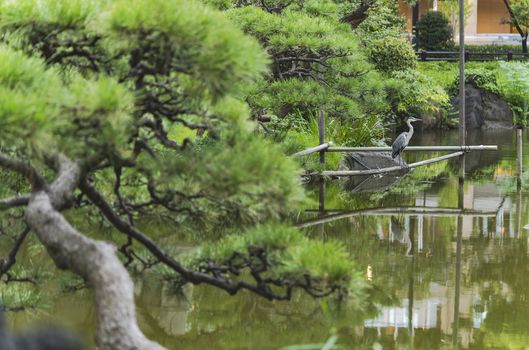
(441, 276)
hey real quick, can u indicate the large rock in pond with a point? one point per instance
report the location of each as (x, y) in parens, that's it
(370, 160)
(484, 109)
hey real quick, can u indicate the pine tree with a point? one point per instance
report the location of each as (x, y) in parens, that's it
(317, 64)
(133, 109)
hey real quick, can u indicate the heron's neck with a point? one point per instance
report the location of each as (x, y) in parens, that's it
(410, 131)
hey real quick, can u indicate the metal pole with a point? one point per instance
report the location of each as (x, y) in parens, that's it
(519, 212)
(519, 160)
(462, 105)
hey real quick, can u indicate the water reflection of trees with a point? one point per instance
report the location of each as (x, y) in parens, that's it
(202, 318)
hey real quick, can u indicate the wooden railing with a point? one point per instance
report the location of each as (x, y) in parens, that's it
(452, 56)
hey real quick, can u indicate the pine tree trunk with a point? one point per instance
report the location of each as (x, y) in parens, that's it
(95, 261)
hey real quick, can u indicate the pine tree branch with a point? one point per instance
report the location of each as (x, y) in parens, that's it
(7, 264)
(13, 202)
(262, 288)
(23, 168)
(514, 20)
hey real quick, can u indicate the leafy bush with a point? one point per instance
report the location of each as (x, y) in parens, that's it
(391, 54)
(434, 32)
(381, 22)
(479, 77)
(442, 73)
(514, 86)
(413, 93)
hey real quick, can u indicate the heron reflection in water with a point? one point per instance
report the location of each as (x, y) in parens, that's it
(400, 229)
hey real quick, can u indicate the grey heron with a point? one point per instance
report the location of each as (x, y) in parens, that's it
(403, 139)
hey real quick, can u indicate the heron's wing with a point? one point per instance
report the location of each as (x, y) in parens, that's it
(399, 144)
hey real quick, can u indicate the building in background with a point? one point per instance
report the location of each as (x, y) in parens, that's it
(486, 21)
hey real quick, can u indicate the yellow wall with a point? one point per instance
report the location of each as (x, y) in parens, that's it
(491, 14)
(407, 11)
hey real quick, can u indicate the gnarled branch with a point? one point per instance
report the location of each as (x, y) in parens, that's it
(13, 202)
(23, 168)
(95, 261)
(7, 264)
(196, 277)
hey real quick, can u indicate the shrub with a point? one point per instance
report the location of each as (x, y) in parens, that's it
(479, 77)
(382, 21)
(491, 48)
(413, 93)
(391, 54)
(434, 32)
(514, 86)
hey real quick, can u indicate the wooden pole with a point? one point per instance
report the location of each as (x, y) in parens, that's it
(427, 211)
(416, 148)
(519, 140)
(462, 104)
(322, 195)
(311, 150)
(321, 121)
(390, 169)
(321, 128)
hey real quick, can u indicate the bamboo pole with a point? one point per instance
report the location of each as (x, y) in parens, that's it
(391, 169)
(311, 150)
(409, 210)
(416, 148)
(519, 140)
(321, 121)
(437, 212)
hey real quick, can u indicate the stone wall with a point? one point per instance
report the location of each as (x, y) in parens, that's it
(484, 110)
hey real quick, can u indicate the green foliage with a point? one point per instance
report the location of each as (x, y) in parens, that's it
(434, 32)
(27, 97)
(244, 179)
(201, 64)
(514, 86)
(290, 254)
(40, 111)
(442, 73)
(479, 77)
(222, 59)
(391, 54)
(449, 7)
(504, 48)
(149, 97)
(316, 66)
(63, 13)
(520, 9)
(414, 93)
(383, 21)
